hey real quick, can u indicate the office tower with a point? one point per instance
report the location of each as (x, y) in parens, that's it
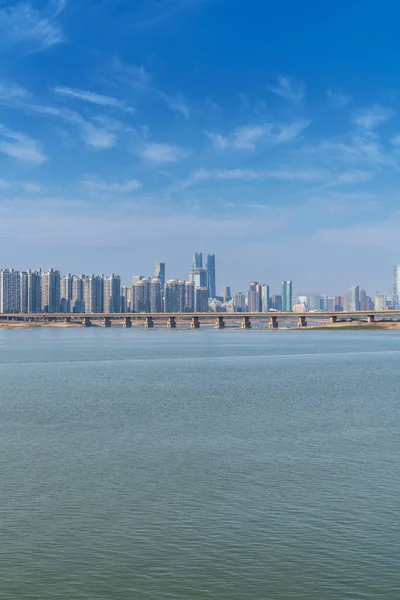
(190, 287)
(141, 295)
(313, 302)
(380, 301)
(23, 292)
(210, 266)
(170, 296)
(323, 304)
(331, 304)
(34, 281)
(396, 288)
(286, 292)
(159, 273)
(10, 291)
(77, 303)
(155, 296)
(197, 260)
(254, 297)
(239, 302)
(199, 276)
(353, 298)
(201, 299)
(265, 302)
(65, 293)
(276, 302)
(226, 294)
(51, 291)
(112, 294)
(363, 300)
(338, 303)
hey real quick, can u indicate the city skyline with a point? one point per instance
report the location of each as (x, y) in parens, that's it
(155, 148)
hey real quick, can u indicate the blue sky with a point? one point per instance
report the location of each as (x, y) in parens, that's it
(139, 131)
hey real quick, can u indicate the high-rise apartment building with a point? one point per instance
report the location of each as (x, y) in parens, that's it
(396, 288)
(353, 298)
(65, 293)
(77, 303)
(210, 266)
(155, 296)
(93, 294)
(141, 295)
(265, 301)
(23, 282)
(34, 281)
(175, 296)
(10, 291)
(239, 302)
(51, 291)
(286, 293)
(189, 293)
(112, 294)
(197, 260)
(201, 299)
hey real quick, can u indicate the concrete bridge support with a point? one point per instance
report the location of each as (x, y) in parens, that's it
(195, 323)
(127, 322)
(67, 320)
(273, 323)
(302, 322)
(220, 323)
(333, 319)
(106, 322)
(171, 322)
(246, 323)
(149, 323)
(86, 322)
(371, 319)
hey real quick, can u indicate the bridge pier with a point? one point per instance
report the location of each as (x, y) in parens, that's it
(149, 323)
(195, 323)
(246, 323)
(273, 323)
(107, 322)
(302, 322)
(171, 322)
(333, 319)
(127, 322)
(220, 323)
(86, 322)
(67, 320)
(371, 319)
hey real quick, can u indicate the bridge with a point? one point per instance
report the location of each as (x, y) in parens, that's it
(195, 319)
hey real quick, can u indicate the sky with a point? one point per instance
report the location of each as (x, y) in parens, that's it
(268, 133)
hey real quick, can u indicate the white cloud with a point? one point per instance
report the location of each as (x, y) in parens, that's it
(162, 153)
(354, 176)
(247, 137)
(374, 116)
(92, 97)
(20, 146)
(96, 185)
(22, 24)
(11, 92)
(176, 103)
(251, 175)
(395, 140)
(337, 100)
(288, 89)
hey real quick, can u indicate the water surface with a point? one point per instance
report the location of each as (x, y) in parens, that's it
(238, 465)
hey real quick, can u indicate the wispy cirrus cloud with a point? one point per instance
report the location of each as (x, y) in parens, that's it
(92, 97)
(163, 153)
(337, 100)
(371, 118)
(20, 146)
(21, 24)
(283, 174)
(159, 13)
(97, 185)
(247, 137)
(288, 89)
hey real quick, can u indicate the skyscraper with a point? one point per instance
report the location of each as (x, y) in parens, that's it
(159, 273)
(77, 304)
(286, 292)
(210, 266)
(34, 291)
(353, 298)
(65, 293)
(197, 260)
(24, 292)
(199, 276)
(155, 296)
(239, 302)
(254, 297)
(265, 302)
(276, 302)
(226, 293)
(190, 288)
(10, 291)
(396, 287)
(51, 291)
(201, 299)
(93, 294)
(112, 294)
